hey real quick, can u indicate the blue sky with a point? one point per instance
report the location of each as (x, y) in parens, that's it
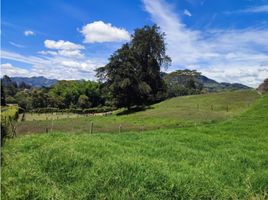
(226, 40)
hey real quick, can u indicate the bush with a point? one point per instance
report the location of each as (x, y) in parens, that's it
(8, 114)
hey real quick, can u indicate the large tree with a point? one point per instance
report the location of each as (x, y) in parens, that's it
(133, 72)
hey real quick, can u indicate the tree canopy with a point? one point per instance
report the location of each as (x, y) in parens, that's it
(133, 73)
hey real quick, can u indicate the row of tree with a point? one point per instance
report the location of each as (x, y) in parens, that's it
(64, 94)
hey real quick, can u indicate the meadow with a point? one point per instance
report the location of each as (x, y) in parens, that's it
(221, 160)
(177, 112)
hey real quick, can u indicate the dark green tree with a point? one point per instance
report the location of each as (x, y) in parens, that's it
(149, 48)
(123, 79)
(83, 102)
(24, 100)
(10, 87)
(133, 72)
(3, 98)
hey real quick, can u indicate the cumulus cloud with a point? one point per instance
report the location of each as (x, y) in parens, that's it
(101, 32)
(187, 13)
(63, 48)
(63, 45)
(232, 50)
(28, 33)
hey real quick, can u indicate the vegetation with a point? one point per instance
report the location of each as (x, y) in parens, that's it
(263, 87)
(176, 112)
(9, 114)
(133, 73)
(226, 160)
(63, 95)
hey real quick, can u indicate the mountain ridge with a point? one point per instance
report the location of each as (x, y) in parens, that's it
(208, 83)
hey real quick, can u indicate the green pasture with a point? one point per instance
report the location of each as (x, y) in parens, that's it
(223, 160)
(176, 112)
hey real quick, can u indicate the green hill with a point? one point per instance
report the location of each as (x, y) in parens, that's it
(225, 160)
(175, 112)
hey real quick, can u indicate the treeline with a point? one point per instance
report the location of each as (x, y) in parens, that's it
(131, 78)
(63, 95)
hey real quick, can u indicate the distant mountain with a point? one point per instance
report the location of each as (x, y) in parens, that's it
(212, 85)
(181, 77)
(36, 81)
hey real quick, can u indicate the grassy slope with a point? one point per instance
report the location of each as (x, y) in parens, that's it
(227, 160)
(176, 112)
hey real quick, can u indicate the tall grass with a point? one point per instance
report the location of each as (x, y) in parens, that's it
(227, 160)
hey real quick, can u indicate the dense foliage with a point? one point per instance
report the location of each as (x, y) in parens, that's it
(63, 95)
(133, 73)
(9, 114)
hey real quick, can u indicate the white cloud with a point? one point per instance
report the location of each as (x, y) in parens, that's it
(63, 48)
(73, 53)
(62, 45)
(187, 13)
(52, 66)
(254, 9)
(16, 45)
(10, 70)
(100, 32)
(231, 50)
(53, 53)
(28, 33)
(257, 9)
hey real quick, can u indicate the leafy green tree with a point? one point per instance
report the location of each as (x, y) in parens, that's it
(83, 102)
(149, 49)
(24, 100)
(69, 92)
(56, 102)
(39, 98)
(133, 72)
(122, 78)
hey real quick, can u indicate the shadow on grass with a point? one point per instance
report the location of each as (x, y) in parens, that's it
(134, 110)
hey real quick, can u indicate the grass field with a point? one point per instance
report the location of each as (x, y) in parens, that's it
(50, 116)
(176, 112)
(224, 160)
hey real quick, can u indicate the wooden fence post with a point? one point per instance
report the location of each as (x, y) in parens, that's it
(91, 128)
(120, 127)
(46, 130)
(51, 124)
(227, 108)
(211, 107)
